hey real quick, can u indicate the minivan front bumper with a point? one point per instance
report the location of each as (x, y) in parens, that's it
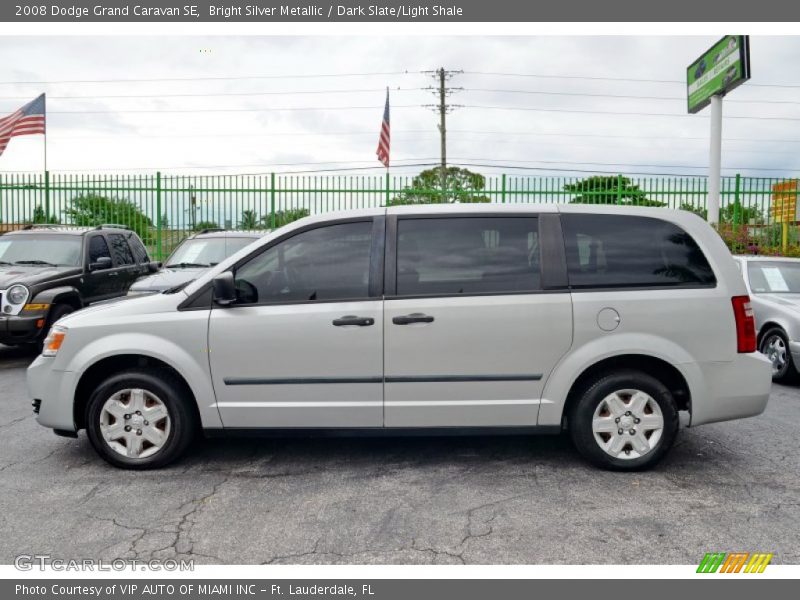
(48, 386)
(733, 390)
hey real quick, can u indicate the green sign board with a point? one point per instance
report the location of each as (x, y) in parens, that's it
(720, 69)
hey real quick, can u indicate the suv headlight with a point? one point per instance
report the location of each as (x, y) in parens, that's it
(17, 294)
(52, 343)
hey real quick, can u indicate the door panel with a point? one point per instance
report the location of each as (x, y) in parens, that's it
(290, 366)
(481, 362)
(469, 335)
(303, 344)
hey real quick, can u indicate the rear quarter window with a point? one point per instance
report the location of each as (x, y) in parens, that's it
(611, 251)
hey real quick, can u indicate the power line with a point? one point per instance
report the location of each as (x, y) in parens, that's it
(226, 78)
(628, 113)
(215, 95)
(622, 96)
(215, 110)
(626, 79)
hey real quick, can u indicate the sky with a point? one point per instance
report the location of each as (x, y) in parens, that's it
(524, 105)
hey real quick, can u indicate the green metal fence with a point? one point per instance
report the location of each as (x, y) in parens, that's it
(165, 208)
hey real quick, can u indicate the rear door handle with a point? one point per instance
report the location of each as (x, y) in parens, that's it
(354, 320)
(114, 274)
(412, 318)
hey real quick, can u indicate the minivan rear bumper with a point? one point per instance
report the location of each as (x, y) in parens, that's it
(733, 390)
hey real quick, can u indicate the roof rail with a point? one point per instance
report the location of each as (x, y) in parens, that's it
(211, 230)
(112, 226)
(44, 226)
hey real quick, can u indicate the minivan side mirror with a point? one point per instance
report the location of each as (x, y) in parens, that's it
(153, 266)
(104, 262)
(224, 289)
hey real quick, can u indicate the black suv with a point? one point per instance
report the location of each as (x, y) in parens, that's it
(48, 271)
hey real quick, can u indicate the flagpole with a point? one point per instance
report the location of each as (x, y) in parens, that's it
(46, 173)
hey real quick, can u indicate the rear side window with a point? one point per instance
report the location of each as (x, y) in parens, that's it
(98, 248)
(608, 251)
(139, 252)
(467, 255)
(121, 251)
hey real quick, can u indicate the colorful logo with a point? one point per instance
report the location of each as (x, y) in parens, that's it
(734, 562)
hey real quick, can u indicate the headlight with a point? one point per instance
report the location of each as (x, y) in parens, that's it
(53, 341)
(17, 294)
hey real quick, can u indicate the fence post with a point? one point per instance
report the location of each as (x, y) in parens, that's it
(503, 189)
(158, 215)
(619, 189)
(737, 212)
(272, 201)
(47, 196)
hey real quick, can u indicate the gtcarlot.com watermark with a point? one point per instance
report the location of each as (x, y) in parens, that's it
(46, 562)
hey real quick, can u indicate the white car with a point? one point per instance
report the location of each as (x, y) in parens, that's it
(773, 283)
(603, 321)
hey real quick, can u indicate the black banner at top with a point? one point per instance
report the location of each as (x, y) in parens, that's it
(454, 11)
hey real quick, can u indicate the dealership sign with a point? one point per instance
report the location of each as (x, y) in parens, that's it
(723, 67)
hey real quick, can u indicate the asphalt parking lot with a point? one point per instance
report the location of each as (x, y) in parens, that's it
(476, 500)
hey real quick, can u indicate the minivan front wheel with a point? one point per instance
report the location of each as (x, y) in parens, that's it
(136, 420)
(775, 347)
(624, 421)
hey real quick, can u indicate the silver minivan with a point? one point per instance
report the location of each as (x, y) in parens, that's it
(606, 322)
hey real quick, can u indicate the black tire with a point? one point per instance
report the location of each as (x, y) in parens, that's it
(582, 413)
(58, 311)
(775, 346)
(163, 385)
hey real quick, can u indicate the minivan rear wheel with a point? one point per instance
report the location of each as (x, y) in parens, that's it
(139, 420)
(624, 421)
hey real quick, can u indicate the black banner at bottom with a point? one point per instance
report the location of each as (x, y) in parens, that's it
(395, 589)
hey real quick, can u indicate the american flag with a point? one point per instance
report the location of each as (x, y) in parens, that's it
(26, 121)
(383, 142)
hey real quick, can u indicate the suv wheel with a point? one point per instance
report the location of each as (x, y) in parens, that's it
(624, 421)
(136, 420)
(775, 346)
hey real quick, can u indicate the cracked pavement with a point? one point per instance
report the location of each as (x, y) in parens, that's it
(471, 500)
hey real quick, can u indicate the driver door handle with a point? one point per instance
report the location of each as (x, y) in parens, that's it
(354, 320)
(412, 318)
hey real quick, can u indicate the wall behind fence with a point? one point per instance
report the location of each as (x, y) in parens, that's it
(165, 208)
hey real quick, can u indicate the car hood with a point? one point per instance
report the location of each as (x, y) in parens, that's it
(165, 279)
(791, 301)
(32, 274)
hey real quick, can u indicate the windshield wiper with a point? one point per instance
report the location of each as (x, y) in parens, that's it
(186, 265)
(4, 262)
(34, 262)
(177, 288)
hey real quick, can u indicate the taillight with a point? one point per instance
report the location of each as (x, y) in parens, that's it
(745, 324)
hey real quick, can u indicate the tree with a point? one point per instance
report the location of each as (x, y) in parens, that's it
(744, 215)
(609, 189)
(283, 217)
(249, 220)
(462, 185)
(39, 216)
(90, 210)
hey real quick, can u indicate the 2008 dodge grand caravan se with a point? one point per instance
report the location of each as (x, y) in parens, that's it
(605, 322)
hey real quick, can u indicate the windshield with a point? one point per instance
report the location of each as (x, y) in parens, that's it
(60, 250)
(206, 252)
(774, 277)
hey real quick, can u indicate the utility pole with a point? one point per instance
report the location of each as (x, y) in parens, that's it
(442, 76)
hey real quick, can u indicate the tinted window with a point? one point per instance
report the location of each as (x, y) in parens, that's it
(139, 252)
(619, 251)
(467, 255)
(97, 248)
(327, 263)
(120, 248)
